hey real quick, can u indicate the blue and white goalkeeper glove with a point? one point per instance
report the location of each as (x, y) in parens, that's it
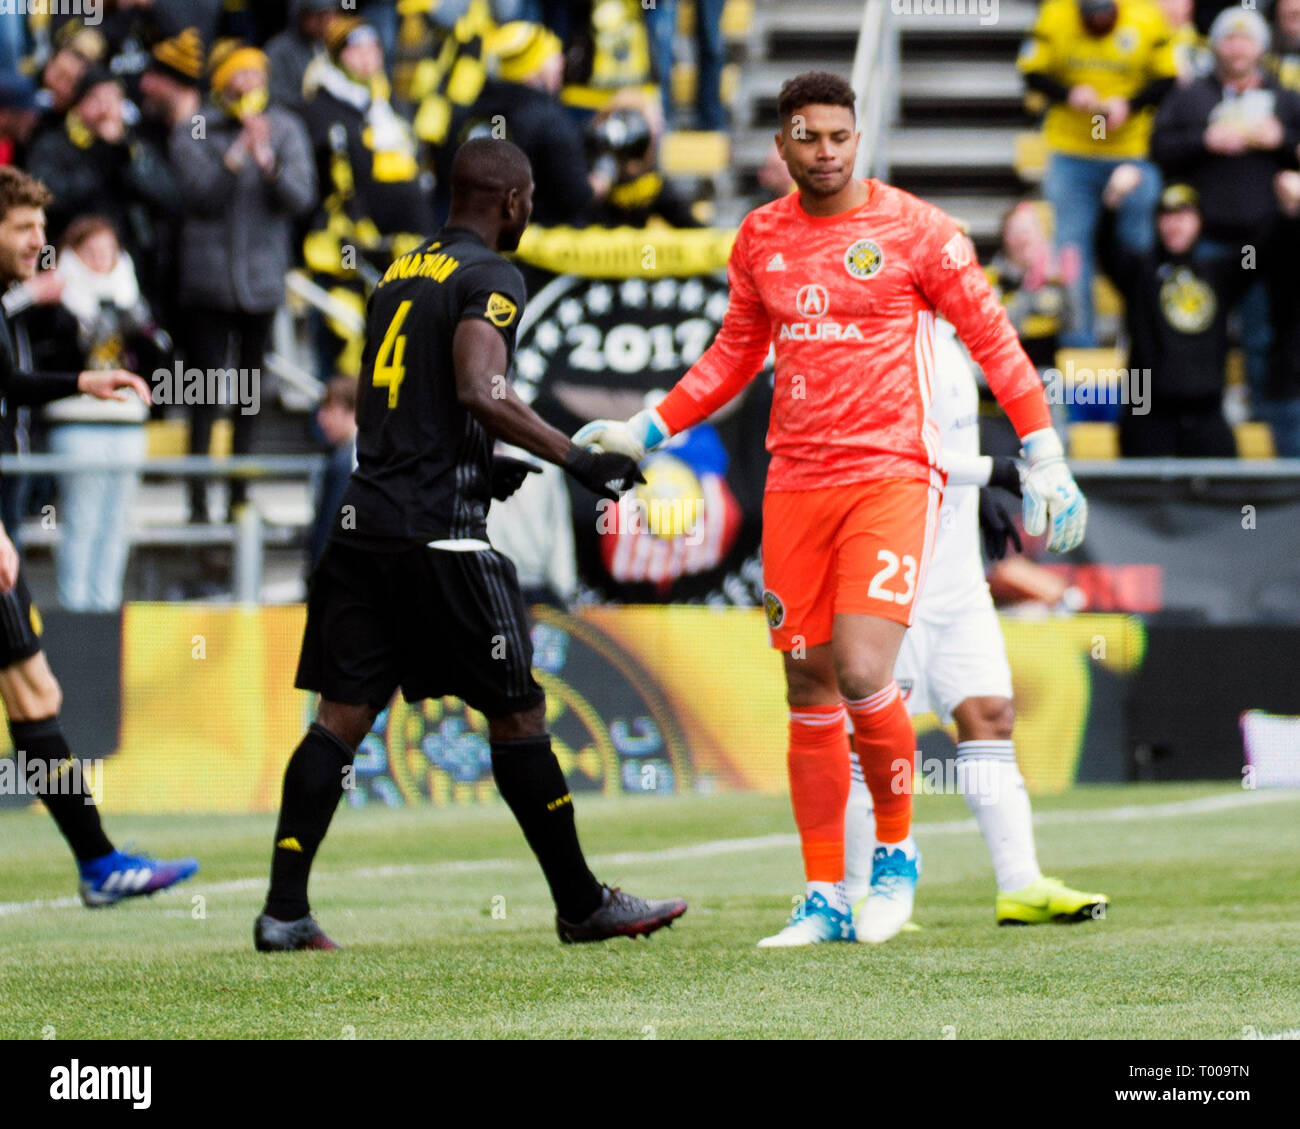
(642, 433)
(1051, 496)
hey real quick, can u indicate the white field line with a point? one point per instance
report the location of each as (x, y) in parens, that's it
(1125, 814)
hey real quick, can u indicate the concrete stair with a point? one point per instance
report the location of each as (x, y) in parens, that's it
(961, 117)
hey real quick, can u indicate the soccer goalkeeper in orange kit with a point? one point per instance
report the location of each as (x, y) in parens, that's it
(844, 278)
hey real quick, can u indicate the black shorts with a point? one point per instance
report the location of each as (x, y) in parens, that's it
(433, 621)
(20, 625)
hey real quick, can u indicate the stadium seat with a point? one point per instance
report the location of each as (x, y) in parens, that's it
(1094, 440)
(170, 438)
(737, 18)
(1107, 302)
(166, 438)
(1097, 360)
(1098, 368)
(1255, 441)
(684, 78)
(694, 153)
(1031, 156)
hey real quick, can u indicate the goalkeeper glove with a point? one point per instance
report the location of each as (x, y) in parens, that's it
(606, 473)
(642, 433)
(1051, 496)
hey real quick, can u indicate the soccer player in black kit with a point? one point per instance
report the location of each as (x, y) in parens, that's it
(409, 592)
(31, 694)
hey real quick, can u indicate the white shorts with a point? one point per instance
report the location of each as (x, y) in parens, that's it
(944, 661)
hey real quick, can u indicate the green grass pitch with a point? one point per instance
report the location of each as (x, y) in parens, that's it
(449, 932)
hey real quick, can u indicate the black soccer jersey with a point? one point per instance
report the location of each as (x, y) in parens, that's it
(424, 464)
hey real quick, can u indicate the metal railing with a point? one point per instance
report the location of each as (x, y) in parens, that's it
(248, 535)
(1166, 470)
(291, 355)
(875, 81)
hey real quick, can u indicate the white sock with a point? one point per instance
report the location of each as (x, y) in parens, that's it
(907, 846)
(859, 838)
(833, 892)
(990, 780)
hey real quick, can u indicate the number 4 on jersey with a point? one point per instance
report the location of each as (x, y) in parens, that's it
(389, 373)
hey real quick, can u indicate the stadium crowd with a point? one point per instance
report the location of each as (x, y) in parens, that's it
(197, 151)
(1173, 136)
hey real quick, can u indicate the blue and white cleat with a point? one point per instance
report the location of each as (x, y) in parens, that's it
(114, 877)
(888, 905)
(813, 922)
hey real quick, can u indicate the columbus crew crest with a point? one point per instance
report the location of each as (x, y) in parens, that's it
(1187, 302)
(864, 259)
(774, 608)
(500, 310)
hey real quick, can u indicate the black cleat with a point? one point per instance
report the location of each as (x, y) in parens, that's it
(272, 936)
(620, 915)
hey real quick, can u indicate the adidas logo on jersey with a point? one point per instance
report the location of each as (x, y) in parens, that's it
(776, 262)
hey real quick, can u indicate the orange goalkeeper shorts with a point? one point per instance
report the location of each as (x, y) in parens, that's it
(859, 549)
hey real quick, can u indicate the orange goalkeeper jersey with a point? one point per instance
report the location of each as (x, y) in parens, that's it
(849, 302)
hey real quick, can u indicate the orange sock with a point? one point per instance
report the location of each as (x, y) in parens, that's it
(886, 750)
(819, 788)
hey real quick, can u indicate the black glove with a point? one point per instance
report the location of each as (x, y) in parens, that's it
(604, 472)
(996, 527)
(508, 475)
(1006, 474)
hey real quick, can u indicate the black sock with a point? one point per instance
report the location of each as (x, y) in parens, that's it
(313, 785)
(529, 779)
(65, 795)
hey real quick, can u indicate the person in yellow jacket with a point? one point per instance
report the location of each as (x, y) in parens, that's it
(376, 189)
(1102, 67)
(439, 64)
(1284, 60)
(521, 103)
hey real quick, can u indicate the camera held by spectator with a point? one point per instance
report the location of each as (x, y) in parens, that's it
(617, 142)
(622, 156)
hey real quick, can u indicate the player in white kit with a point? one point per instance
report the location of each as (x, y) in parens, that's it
(953, 661)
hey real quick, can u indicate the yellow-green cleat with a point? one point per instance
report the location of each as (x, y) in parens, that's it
(1048, 900)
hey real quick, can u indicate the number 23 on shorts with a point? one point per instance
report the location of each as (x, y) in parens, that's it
(887, 585)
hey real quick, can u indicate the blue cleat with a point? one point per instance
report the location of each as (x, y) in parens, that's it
(107, 880)
(813, 922)
(888, 904)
